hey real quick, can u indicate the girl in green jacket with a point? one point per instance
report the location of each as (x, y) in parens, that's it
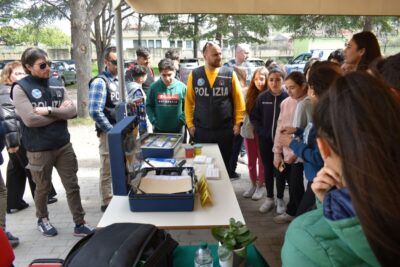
(356, 222)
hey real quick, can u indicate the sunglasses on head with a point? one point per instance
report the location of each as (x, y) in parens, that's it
(43, 65)
(19, 73)
(114, 62)
(209, 43)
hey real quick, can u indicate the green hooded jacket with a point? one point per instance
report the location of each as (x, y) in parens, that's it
(314, 240)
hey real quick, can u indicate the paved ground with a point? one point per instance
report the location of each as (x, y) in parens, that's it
(34, 245)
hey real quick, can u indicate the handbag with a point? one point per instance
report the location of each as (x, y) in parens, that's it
(247, 129)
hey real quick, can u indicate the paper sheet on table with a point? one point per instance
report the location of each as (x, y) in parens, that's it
(164, 186)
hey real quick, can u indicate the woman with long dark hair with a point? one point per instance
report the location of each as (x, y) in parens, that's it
(257, 85)
(361, 50)
(356, 223)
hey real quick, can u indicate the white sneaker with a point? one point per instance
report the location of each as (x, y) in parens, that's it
(249, 192)
(259, 193)
(280, 206)
(244, 160)
(283, 218)
(268, 205)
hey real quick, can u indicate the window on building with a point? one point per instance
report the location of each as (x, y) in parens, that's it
(189, 44)
(135, 43)
(150, 43)
(158, 43)
(172, 44)
(143, 44)
(180, 45)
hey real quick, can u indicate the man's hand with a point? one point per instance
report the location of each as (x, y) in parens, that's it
(288, 130)
(277, 163)
(326, 179)
(236, 129)
(285, 139)
(41, 111)
(66, 103)
(12, 150)
(192, 130)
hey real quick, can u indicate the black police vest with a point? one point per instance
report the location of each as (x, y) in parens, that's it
(112, 100)
(213, 105)
(44, 93)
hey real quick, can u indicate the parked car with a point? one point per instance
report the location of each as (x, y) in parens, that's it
(70, 62)
(322, 54)
(255, 63)
(298, 63)
(63, 71)
(186, 65)
(4, 62)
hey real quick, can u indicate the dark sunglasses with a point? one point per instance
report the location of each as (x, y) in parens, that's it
(43, 65)
(114, 62)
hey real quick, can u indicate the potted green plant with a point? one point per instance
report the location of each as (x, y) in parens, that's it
(236, 237)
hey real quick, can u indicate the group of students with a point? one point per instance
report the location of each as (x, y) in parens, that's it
(337, 128)
(340, 125)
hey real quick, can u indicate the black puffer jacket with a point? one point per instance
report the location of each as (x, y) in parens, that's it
(9, 119)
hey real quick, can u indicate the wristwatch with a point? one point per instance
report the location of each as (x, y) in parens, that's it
(49, 110)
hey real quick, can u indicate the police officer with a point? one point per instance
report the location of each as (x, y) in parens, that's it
(214, 105)
(103, 99)
(44, 107)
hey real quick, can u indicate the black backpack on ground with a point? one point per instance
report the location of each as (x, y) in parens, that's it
(123, 245)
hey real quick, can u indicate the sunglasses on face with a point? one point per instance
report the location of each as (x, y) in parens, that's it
(43, 65)
(114, 62)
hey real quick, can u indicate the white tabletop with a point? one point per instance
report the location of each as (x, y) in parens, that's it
(225, 204)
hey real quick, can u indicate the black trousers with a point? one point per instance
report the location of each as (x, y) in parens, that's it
(267, 157)
(307, 203)
(16, 179)
(223, 137)
(236, 148)
(294, 177)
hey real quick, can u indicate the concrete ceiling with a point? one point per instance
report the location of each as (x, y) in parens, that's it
(268, 7)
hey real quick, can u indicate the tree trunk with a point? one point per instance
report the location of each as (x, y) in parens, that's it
(98, 43)
(367, 23)
(196, 34)
(82, 51)
(140, 29)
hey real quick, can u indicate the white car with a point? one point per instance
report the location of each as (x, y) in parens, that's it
(255, 63)
(186, 65)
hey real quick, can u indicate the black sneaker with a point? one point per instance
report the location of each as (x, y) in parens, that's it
(14, 241)
(46, 227)
(52, 200)
(234, 176)
(22, 206)
(103, 208)
(83, 229)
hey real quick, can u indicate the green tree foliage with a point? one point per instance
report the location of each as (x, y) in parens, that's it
(8, 36)
(6, 10)
(239, 28)
(27, 35)
(52, 36)
(316, 25)
(183, 27)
